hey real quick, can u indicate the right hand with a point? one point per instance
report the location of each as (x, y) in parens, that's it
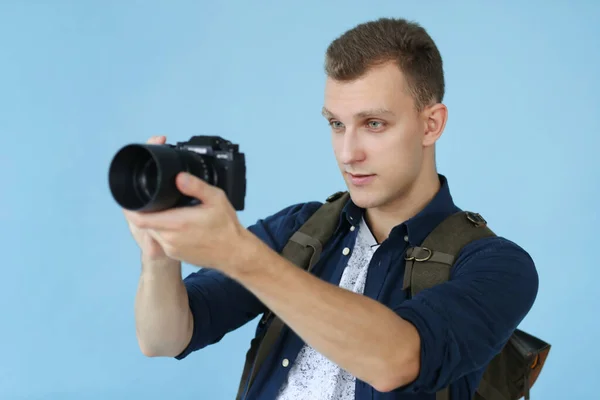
(151, 249)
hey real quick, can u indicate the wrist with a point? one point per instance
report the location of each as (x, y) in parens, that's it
(262, 267)
(159, 264)
(247, 258)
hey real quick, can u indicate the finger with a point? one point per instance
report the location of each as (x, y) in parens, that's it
(157, 140)
(133, 217)
(195, 187)
(167, 220)
(129, 215)
(155, 235)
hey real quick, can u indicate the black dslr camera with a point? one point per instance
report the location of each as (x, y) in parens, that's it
(142, 176)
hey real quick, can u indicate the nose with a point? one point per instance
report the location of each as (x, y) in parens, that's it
(351, 151)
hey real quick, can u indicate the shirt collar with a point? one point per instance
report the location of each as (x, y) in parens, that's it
(418, 226)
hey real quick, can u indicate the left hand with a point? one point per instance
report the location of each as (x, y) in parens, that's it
(207, 235)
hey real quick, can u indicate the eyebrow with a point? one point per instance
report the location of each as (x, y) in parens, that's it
(375, 112)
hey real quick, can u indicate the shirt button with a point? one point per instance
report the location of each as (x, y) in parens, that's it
(346, 251)
(406, 238)
(285, 362)
(352, 228)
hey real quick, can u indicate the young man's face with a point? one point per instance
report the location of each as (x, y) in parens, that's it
(377, 135)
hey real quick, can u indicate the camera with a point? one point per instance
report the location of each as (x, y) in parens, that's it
(142, 176)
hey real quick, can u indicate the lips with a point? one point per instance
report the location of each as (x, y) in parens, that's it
(360, 179)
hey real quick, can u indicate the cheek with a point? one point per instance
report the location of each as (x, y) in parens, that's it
(336, 144)
(398, 152)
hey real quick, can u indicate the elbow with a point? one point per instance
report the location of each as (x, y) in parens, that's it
(149, 351)
(160, 350)
(403, 365)
(152, 348)
(170, 343)
(397, 374)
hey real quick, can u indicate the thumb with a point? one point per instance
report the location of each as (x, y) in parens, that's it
(193, 186)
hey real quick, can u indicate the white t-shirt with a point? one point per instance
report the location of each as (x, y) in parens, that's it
(312, 376)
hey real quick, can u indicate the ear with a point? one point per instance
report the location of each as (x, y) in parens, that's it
(434, 120)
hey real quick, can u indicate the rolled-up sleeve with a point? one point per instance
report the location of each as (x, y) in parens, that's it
(465, 322)
(218, 303)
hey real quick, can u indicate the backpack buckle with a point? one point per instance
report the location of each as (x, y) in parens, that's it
(418, 254)
(476, 219)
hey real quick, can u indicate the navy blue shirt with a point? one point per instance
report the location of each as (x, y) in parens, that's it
(462, 323)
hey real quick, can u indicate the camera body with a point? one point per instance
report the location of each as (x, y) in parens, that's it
(142, 176)
(224, 165)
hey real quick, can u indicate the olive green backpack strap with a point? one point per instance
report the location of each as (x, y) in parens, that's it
(513, 371)
(304, 250)
(429, 264)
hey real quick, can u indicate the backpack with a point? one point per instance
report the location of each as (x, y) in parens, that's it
(508, 376)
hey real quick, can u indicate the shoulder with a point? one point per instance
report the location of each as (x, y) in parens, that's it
(499, 249)
(277, 228)
(499, 266)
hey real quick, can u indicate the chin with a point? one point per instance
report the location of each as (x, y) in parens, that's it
(365, 198)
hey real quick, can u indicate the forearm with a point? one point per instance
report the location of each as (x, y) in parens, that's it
(163, 319)
(357, 333)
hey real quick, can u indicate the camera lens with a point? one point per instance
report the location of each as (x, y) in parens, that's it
(145, 179)
(142, 177)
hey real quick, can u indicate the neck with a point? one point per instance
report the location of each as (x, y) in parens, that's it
(383, 219)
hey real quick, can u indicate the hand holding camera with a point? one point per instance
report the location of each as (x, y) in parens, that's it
(151, 249)
(180, 201)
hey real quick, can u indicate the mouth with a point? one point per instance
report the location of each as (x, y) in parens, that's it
(358, 175)
(360, 179)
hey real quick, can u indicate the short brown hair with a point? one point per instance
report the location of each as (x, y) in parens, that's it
(376, 42)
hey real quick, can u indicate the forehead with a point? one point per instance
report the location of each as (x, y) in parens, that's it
(382, 87)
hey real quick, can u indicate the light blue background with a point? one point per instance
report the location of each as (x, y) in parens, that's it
(80, 79)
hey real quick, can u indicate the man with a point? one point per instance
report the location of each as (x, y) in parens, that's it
(352, 331)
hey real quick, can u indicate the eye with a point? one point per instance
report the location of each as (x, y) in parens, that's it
(336, 124)
(375, 124)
